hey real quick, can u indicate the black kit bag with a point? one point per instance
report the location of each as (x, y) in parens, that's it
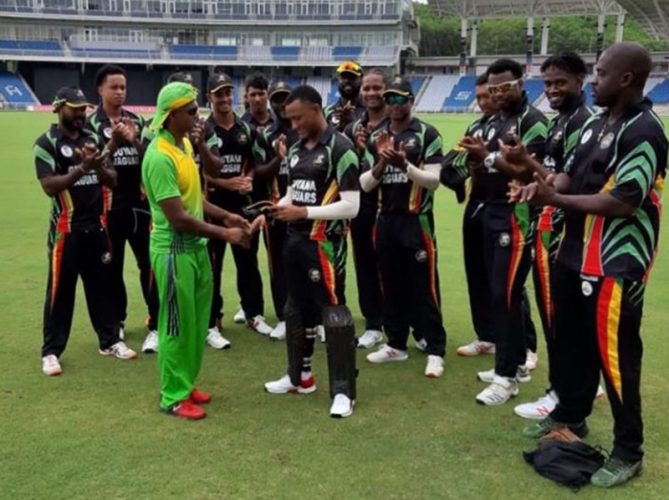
(568, 463)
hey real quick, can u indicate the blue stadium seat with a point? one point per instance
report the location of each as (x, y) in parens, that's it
(14, 90)
(660, 93)
(31, 47)
(417, 83)
(344, 53)
(587, 91)
(122, 53)
(462, 96)
(205, 51)
(534, 89)
(280, 53)
(334, 93)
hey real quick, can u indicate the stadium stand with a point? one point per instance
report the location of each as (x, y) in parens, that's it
(437, 89)
(462, 95)
(213, 52)
(660, 93)
(31, 47)
(15, 92)
(105, 49)
(346, 53)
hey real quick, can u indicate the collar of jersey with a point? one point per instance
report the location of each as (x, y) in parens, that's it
(59, 135)
(325, 136)
(414, 125)
(238, 121)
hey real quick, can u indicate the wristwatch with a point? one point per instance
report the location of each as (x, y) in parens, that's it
(489, 161)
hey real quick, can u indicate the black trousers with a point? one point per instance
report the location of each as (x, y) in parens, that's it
(249, 282)
(597, 329)
(407, 253)
(72, 255)
(132, 225)
(370, 297)
(497, 261)
(274, 236)
(475, 236)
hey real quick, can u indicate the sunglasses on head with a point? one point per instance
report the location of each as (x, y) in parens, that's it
(396, 99)
(503, 88)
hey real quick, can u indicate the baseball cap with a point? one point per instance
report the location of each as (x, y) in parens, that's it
(218, 81)
(71, 97)
(172, 96)
(279, 87)
(351, 67)
(180, 76)
(400, 86)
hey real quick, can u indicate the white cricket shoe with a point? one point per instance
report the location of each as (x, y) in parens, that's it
(285, 386)
(240, 316)
(150, 342)
(476, 348)
(51, 366)
(259, 325)
(435, 366)
(522, 375)
(499, 392)
(119, 350)
(342, 406)
(279, 332)
(539, 409)
(216, 340)
(320, 333)
(387, 354)
(421, 345)
(531, 360)
(370, 338)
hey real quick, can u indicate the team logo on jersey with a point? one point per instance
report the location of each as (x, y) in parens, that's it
(66, 151)
(314, 275)
(219, 142)
(294, 160)
(550, 163)
(421, 256)
(586, 136)
(586, 288)
(607, 140)
(410, 143)
(335, 120)
(512, 130)
(106, 258)
(491, 133)
(557, 136)
(504, 240)
(242, 138)
(107, 132)
(318, 161)
(478, 133)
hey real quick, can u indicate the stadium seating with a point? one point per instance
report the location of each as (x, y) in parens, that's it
(462, 96)
(108, 48)
(31, 47)
(215, 52)
(322, 84)
(15, 91)
(285, 53)
(346, 53)
(437, 89)
(534, 89)
(660, 93)
(417, 84)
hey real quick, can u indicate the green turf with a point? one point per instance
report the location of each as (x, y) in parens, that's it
(96, 431)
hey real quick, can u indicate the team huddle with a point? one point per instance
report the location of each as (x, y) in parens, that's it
(574, 200)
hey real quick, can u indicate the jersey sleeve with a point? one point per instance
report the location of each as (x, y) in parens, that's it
(346, 165)
(262, 149)
(639, 154)
(434, 146)
(161, 177)
(533, 134)
(147, 134)
(45, 157)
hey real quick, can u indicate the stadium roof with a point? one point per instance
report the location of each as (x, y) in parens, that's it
(652, 14)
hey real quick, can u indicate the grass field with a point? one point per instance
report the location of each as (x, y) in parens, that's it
(95, 431)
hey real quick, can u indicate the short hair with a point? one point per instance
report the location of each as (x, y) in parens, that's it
(108, 70)
(305, 93)
(257, 81)
(502, 65)
(566, 61)
(482, 79)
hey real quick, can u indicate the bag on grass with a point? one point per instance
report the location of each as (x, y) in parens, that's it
(567, 462)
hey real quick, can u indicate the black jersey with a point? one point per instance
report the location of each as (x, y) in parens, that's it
(264, 153)
(423, 146)
(256, 125)
(528, 123)
(627, 159)
(82, 206)
(369, 202)
(316, 177)
(334, 120)
(235, 146)
(454, 169)
(126, 159)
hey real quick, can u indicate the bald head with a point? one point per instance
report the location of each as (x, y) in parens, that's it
(629, 57)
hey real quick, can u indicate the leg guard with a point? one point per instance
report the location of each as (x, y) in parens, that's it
(295, 340)
(340, 335)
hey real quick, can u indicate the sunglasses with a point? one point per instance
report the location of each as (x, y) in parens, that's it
(192, 111)
(503, 88)
(396, 99)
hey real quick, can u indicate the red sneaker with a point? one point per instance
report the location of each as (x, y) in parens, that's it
(199, 397)
(187, 410)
